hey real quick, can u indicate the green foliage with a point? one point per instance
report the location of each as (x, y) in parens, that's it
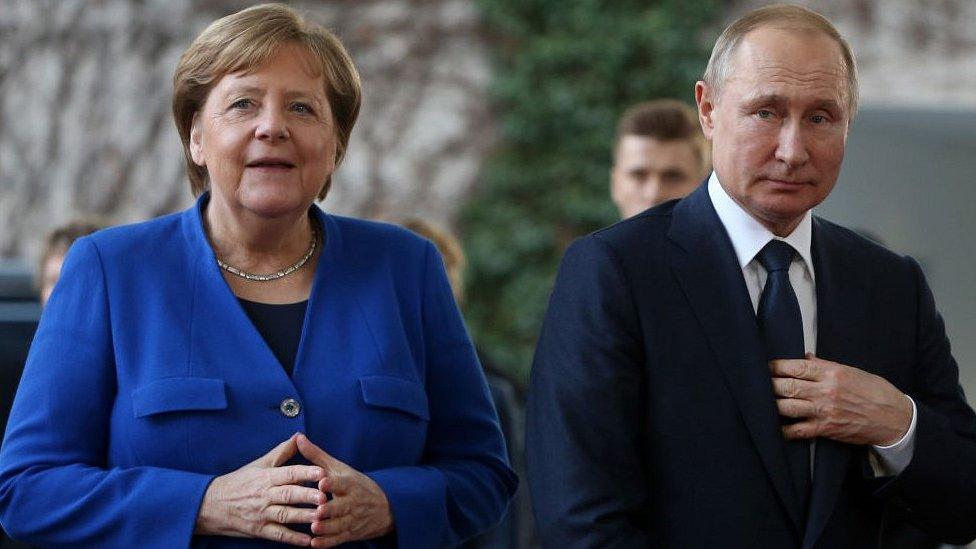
(566, 69)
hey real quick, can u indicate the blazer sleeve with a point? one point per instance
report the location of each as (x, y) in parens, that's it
(937, 491)
(584, 435)
(464, 483)
(56, 487)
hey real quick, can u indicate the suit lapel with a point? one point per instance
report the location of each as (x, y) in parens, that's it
(842, 300)
(708, 272)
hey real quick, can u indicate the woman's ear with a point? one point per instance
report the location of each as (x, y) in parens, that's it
(196, 141)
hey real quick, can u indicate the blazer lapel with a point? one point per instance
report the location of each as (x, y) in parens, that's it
(842, 299)
(220, 325)
(708, 272)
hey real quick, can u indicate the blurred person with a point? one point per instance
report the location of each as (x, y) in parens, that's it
(660, 154)
(728, 370)
(55, 249)
(507, 534)
(254, 372)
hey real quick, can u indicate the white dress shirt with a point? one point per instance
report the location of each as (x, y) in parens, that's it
(748, 238)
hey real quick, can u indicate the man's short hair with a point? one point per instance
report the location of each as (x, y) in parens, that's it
(664, 120)
(777, 16)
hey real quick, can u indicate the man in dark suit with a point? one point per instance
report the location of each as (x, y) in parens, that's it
(729, 371)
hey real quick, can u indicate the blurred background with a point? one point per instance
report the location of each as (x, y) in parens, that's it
(494, 118)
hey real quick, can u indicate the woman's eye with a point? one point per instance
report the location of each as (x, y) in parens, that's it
(301, 108)
(241, 104)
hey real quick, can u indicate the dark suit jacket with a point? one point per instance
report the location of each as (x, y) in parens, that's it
(651, 417)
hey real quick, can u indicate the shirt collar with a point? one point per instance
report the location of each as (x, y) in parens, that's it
(750, 236)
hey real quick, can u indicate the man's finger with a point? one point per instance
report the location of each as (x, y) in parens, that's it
(802, 430)
(795, 407)
(791, 387)
(800, 368)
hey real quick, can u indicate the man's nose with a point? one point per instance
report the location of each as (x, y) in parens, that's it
(272, 125)
(791, 148)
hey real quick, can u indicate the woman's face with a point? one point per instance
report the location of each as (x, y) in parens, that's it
(267, 138)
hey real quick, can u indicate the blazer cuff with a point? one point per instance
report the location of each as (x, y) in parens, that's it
(418, 501)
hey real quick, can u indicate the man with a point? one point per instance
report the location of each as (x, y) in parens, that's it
(659, 155)
(727, 370)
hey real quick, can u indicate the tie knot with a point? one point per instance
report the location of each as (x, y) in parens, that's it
(776, 256)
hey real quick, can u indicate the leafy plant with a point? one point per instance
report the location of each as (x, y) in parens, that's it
(565, 71)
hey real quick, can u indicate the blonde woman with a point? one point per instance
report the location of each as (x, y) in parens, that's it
(254, 371)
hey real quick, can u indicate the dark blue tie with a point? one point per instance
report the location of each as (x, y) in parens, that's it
(782, 330)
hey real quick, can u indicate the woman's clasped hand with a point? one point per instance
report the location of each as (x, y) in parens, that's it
(261, 498)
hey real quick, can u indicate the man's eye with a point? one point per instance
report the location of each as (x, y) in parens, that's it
(764, 113)
(818, 119)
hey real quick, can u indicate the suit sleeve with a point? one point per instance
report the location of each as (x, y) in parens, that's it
(464, 483)
(584, 436)
(937, 491)
(56, 487)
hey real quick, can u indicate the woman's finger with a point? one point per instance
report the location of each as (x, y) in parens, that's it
(336, 483)
(290, 494)
(335, 508)
(278, 455)
(283, 534)
(296, 474)
(332, 527)
(284, 514)
(316, 455)
(331, 541)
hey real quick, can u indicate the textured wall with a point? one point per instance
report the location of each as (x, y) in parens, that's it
(910, 53)
(85, 125)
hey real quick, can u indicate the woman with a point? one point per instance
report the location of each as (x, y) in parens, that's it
(174, 354)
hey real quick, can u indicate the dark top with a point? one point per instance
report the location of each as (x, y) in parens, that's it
(280, 326)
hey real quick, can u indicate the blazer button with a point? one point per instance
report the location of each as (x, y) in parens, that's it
(290, 407)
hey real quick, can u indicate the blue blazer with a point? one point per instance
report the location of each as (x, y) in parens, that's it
(652, 420)
(146, 379)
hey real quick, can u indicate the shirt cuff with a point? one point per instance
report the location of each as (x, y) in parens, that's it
(887, 461)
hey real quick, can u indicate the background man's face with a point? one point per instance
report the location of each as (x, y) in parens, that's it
(779, 127)
(649, 171)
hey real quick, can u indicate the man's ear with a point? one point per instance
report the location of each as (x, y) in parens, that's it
(196, 141)
(704, 97)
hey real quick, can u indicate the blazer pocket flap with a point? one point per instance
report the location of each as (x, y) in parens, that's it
(395, 393)
(177, 394)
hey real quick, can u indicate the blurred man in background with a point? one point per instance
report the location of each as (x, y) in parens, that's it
(660, 154)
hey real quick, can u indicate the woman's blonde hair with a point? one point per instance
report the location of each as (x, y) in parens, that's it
(245, 40)
(449, 247)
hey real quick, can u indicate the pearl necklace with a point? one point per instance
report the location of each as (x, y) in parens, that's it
(273, 276)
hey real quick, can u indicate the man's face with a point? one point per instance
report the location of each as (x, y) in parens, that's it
(649, 171)
(779, 127)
